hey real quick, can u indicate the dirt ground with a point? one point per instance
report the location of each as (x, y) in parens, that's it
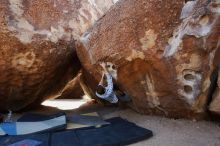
(170, 132)
(167, 132)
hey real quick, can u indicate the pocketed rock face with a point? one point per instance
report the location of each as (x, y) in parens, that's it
(37, 46)
(163, 53)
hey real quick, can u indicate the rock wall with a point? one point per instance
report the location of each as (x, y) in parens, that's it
(161, 53)
(72, 90)
(37, 46)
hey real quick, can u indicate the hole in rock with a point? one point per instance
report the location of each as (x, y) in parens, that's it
(189, 77)
(188, 89)
(204, 20)
(113, 67)
(188, 0)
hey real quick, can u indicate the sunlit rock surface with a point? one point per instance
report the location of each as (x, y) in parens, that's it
(37, 46)
(162, 53)
(72, 90)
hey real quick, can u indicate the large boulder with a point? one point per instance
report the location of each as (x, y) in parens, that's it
(161, 53)
(72, 90)
(37, 46)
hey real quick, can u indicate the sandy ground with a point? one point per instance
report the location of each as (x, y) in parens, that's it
(170, 132)
(167, 132)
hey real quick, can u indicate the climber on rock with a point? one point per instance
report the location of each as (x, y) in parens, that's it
(105, 87)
